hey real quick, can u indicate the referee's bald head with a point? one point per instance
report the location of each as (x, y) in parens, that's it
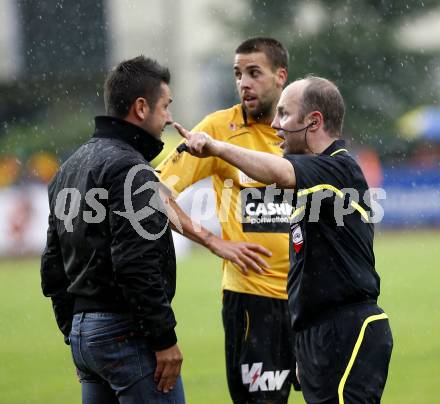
(320, 94)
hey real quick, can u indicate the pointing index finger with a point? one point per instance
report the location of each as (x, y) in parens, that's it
(182, 131)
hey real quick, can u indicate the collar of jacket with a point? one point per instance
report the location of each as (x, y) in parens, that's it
(141, 140)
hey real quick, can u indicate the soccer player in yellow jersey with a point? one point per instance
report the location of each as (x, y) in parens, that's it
(254, 221)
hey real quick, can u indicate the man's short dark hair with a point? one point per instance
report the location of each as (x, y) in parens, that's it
(131, 79)
(273, 49)
(322, 95)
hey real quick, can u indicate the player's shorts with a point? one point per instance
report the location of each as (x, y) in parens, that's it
(260, 363)
(345, 358)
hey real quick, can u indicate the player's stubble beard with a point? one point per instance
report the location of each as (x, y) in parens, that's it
(263, 112)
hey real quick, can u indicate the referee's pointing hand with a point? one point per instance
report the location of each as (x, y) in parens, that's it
(199, 144)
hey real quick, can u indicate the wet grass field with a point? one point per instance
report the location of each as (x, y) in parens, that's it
(35, 365)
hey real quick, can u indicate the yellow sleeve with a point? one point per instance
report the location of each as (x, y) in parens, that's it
(178, 171)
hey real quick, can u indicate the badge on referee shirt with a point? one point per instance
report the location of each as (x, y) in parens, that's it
(297, 237)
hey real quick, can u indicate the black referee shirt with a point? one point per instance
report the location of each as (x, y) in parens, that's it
(331, 249)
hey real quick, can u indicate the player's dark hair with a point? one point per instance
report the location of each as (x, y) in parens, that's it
(131, 79)
(273, 49)
(322, 95)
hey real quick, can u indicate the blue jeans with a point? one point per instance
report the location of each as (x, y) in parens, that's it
(114, 363)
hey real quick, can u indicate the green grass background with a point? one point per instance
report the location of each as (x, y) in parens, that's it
(35, 365)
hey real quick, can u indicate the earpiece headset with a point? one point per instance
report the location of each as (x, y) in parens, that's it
(299, 130)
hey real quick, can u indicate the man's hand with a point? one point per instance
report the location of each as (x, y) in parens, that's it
(169, 363)
(245, 255)
(199, 144)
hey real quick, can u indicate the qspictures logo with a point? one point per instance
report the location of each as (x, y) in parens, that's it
(263, 209)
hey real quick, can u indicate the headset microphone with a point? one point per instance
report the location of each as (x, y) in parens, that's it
(306, 128)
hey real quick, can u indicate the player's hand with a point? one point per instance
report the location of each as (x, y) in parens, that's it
(169, 363)
(199, 144)
(245, 255)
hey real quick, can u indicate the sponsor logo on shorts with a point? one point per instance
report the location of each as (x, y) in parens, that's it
(269, 380)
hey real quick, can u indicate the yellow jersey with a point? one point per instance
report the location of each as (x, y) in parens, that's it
(247, 210)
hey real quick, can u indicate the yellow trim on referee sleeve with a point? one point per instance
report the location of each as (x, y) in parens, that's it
(338, 192)
(360, 209)
(297, 212)
(320, 187)
(344, 378)
(338, 151)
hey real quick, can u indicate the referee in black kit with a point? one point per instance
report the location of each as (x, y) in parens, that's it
(343, 338)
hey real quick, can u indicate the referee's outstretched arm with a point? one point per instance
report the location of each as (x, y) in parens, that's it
(262, 167)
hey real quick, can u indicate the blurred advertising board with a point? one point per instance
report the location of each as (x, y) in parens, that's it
(412, 197)
(23, 219)
(412, 200)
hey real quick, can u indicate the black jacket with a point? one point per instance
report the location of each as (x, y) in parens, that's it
(98, 257)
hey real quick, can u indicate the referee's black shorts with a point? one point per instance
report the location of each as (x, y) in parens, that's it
(344, 360)
(259, 347)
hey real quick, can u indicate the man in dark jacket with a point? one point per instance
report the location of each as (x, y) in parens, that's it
(109, 264)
